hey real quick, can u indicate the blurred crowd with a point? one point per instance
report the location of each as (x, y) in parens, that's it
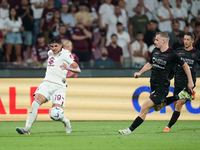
(101, 33)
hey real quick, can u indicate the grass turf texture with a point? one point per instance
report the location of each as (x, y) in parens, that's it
(86, 135)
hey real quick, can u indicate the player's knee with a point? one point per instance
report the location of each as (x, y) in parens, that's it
(156, 108)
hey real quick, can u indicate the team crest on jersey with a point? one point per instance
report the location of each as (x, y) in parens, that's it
(50, 54)
(181, 53)
(193, 54)
(167, 55)
(51, 61)
(157, 53)
(59, 54)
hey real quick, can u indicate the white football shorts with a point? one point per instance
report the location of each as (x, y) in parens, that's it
(54, 92)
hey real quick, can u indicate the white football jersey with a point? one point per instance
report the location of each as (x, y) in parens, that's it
(53, 72)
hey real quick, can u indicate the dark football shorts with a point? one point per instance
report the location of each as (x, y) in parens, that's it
(158, 94)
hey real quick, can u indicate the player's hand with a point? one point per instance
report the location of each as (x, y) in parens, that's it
(64, 67)
(190, 86)
(137, 74)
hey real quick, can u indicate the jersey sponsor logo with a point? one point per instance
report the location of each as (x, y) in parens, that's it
(188, 61)
(51, 61)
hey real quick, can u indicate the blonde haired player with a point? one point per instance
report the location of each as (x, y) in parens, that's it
(54, 84)
(67, 45)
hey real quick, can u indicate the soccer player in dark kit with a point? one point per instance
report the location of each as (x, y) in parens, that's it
(191, 56)
(161, 62)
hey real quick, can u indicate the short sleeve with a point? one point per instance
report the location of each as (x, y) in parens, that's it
(69, 58)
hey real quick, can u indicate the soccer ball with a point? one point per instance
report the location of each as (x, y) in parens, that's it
(56, 113)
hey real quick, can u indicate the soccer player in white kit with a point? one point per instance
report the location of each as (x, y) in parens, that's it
(54, 84)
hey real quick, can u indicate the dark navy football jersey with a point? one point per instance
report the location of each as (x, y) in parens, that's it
(192, 58)
(162, 65)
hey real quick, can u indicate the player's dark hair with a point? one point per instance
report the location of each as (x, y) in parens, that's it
(139, 32)
(191, 35)
(197, 24)
(55, 39)
(175, 21)
(40, 35)
(16, 16)
(154, 21)
(119, 24)
(114, 35)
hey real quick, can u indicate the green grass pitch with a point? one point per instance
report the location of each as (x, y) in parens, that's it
(101, 135)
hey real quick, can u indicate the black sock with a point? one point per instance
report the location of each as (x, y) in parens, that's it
(171, 99)
(174, 118)
(138, 121)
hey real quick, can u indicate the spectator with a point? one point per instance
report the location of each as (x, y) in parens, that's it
(131, 7)
(87, 21)
(139, 51)
(175, 32)
(124, 14)
(165, 16)
(105, 10)
(112, 22)
(137, 23)
(104, 61)
(192, 24)
(4, 10)
(40, 52)
(197, 35)
(47, 16)
(2, 40)
(151, 47)
(152, 28)
(54, 24)
(115, 52)
(72, 10)
(14, 3)
(180, 14)
(37, 7)
(13, 38)
(192, 9)
(95, 25)
(151, 8)
(80, 36)
(26, 14)
(67, 45)
(94, 17)
(67, 18)
(180, 41)
(57, 4)
(64, 1)
(62, 36)
(186, 29)
(124, 42)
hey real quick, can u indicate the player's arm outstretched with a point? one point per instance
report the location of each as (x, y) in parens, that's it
(188, 73)
(146, 67)
(75, 67)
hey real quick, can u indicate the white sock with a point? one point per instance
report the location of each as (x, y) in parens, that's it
(32, 114)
